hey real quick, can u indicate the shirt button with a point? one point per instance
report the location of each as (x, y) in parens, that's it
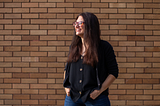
(80, 69)
(79, 92)
(80, 81)
(81, 57)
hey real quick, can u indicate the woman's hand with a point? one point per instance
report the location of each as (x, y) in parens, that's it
(95, 94)
(67, 91)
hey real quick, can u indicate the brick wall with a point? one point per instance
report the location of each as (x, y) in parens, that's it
(34, 41)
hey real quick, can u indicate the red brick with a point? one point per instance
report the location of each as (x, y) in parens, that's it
(38, 64)
(56, 32)
(29, 15)
(12, 16)
(34, 38)
(1, 15)
(65, 16)
(136, 38)
(47, 26)
(20, 21)
(12, 38)
(38, 32)
(20, 0)
(19, 97)
(6, 0)
(12, 70)
(38, 21)
(38, 86)
(156, 10)
(29, 4)
(117, 16)
(29, 102)
(1, 4)
(101, 16)
(151, 16)
(151, 5)
(117, 5)
(150, 81)
(126, 1)
(5, 96)
(46, 91)
(47, 70)
(56, 97)
(69, 0)
(134, 5)
(110, 32)
(108, 0)
(12, 48)
(76, 10)
(6, 10)
(12, 102)
(20, 53)
(151, 102)
(124, 21)
(20, 32)
(50, 102)
(55, 10)
(128, 97)
(47, 15)
(117, 26)
(47, 4)
(84, 4)
(30, 27)
(134, 102)
(38, 1)
(12, 4)
(143, 32)
(6, 32)
(20, 86)
(139, 43)
(156, 1)
(56, 21)
(30, 59)
(55, 86)
(29, 91)
(143, 21)
(64, 4)
(143, 0)
(153, 49)
(21, 75)
(38, 10)
(133, 81)
(12, 91)
(93, 10)
(29, 81)
(39, 97)
(12, 80)
(30, 70)
(47, 38)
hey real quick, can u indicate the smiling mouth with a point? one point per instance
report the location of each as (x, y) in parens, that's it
(78, 30)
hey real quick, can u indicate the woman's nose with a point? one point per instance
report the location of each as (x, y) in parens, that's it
(77, 25)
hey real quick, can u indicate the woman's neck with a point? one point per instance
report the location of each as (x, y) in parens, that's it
(83, 47)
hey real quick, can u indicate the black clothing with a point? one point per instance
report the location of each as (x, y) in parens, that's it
(83, 78)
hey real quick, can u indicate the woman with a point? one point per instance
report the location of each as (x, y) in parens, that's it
(91, 66)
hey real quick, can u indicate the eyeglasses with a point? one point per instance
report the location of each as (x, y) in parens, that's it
(80, 23)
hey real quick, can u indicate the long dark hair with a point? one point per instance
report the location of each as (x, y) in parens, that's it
(91, 38)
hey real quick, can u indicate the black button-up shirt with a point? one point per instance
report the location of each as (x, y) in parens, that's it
(82, 78)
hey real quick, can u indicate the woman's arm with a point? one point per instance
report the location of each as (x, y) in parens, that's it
(109, 80)
(67, 90)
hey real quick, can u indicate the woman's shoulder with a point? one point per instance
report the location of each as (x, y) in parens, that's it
(105, 44)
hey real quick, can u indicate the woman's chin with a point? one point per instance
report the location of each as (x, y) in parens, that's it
(80, 35)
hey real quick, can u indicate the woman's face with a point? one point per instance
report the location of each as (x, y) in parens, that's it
(80, 26)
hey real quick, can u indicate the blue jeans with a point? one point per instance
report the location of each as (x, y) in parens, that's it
(101, 100)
